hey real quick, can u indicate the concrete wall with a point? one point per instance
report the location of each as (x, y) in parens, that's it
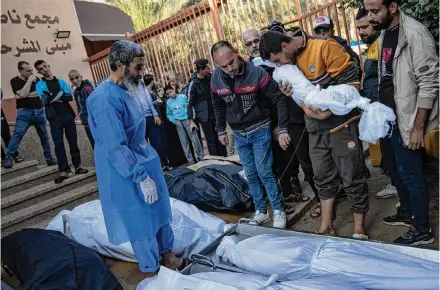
(23, 40)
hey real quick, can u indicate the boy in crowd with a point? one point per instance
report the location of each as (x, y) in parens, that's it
(83, 88)
(56, 94)
(177, 113)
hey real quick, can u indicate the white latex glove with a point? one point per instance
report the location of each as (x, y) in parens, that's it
(149, 190)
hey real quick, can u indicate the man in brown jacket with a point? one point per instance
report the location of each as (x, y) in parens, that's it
(408, 83)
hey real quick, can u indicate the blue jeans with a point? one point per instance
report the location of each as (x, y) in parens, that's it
(405, 169)
(255, 152)
(60, 125)
(25, 119)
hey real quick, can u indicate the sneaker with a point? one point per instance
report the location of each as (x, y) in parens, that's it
(80, 170)
(289, 198)
(289, 209)
(51, 162)
(415, 238)
(18, 159)
(260, 218)
(279, 219)
(7, 163)
(296, 187)
(397, 220)
(388, 191)
(63, 176)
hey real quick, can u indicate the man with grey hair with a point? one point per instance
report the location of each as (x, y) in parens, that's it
(134, 196)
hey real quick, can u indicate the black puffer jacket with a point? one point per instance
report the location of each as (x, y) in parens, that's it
(199, 98)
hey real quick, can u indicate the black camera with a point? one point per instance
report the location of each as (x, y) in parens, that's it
(277, 26)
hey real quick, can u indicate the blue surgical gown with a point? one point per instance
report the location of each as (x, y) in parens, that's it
(123, 159)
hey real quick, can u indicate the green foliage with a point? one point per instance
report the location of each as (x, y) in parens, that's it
(425, 11)
(145, 13)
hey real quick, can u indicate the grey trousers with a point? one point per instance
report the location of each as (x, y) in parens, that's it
(337, 157)
(185, 133)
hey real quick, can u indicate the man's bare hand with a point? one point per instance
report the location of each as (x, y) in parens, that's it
(223, 139)
(31, 78)
(284, 140)
(314, 113)
(157, 120)
(192, 125)
(417, 138)
(286, 88)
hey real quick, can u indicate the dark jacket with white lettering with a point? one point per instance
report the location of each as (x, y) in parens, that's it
(243, 101)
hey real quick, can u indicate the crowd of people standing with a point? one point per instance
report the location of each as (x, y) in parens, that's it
(241, 108)
(335, 152)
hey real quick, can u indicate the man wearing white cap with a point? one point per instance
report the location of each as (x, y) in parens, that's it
(324, 26)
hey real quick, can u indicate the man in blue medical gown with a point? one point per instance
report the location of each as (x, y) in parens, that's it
(132, 189)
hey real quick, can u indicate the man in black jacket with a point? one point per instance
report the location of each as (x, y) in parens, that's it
(199, 99)
(241, 96)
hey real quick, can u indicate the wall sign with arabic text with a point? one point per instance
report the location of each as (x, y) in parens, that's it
(12, 17)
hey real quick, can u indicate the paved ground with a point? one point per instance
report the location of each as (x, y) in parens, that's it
(379, 209)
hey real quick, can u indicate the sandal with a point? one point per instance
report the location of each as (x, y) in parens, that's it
(316, 212)
(80, 170)
(63, 176)
(301, 198)
(289, 210)
(18, 159)
(328, 233)
(360, 236)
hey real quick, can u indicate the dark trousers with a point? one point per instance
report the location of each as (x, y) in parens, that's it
(336, 157)
(89, 135)
(153, 135)
(285, 168)
(215, 148)
(405, 170)
(295, 163)
(60, 126)
(6, 135)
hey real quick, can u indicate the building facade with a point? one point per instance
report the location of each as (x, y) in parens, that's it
(29, 33)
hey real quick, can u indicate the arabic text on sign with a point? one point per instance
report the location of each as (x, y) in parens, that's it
(30, 21)
(34, 46)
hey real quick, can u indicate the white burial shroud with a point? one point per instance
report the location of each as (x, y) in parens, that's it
(340, 99)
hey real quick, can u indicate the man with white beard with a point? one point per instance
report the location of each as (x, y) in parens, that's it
(134, 195)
